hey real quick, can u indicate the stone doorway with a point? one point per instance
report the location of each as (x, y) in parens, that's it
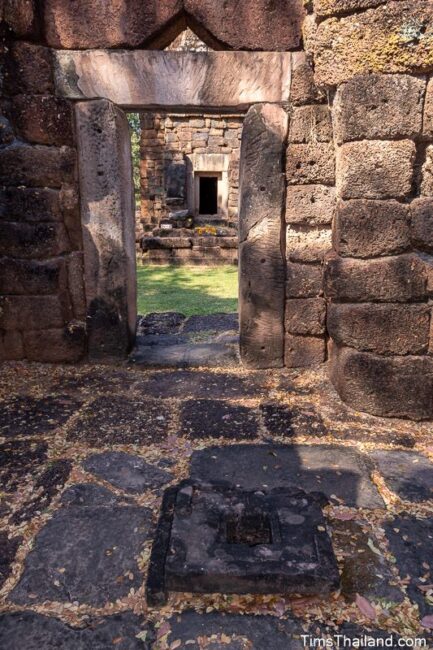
(218, 82)
(208, 194)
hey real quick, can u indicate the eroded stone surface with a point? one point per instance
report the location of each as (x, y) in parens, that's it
(281, 420)
(408, 474)
(90, 494)
(410, 541)
(333, 470)
(185, 355)
(125, 471)
(206, 418)
(19, 460)
(96, 546)
(119, 631)
(120, 420)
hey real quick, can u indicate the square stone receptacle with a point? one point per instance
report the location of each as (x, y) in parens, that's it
(218, 539)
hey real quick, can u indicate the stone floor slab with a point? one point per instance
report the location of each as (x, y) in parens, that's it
(121, 420)
(24, 415)
(281, 420)
(189, 355)
(168, 322)
(90, 494)
(198, 384)
(33, 631)
(408, 474)
(245, 632)
(126, 471)
(333, 470)
(365, 571)
(85, 554)
(211, 323)
(411, 542)
(206, 418)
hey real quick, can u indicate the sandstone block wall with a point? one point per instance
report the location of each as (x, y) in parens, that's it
(310, 208)
(42, 303)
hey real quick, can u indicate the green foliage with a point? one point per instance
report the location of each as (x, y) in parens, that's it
(187, 289)
(135, 129)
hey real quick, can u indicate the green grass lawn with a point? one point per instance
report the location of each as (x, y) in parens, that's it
(187, 289)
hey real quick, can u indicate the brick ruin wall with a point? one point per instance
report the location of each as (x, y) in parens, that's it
(166, 141)
(368, 186)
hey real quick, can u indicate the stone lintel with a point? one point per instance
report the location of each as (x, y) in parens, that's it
(174, 80)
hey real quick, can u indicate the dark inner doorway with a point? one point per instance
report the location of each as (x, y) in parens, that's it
(208, 195)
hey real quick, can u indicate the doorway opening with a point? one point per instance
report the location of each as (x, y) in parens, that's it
(208, 195)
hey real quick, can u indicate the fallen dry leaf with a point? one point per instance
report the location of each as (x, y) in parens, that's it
(365, 607)
(427, 622)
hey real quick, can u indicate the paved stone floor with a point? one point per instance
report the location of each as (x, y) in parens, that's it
(87, 451)
(172, 340)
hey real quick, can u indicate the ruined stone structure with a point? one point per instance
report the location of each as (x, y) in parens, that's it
(189, 165)
(336, 178)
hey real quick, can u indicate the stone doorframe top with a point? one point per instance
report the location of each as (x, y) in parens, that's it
(152, 79)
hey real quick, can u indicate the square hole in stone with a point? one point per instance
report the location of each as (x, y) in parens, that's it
(251, 529)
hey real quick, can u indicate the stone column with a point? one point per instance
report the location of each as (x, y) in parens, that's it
(261, 232)
(108, 221)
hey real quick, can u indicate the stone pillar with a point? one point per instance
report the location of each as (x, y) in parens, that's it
(261, 232)
(376, 280)
(108, 221)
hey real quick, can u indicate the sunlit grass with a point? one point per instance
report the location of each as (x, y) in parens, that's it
(187, 289)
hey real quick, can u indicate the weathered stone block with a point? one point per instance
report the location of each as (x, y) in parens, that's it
(305, 244)
(37, 166)
(379, 106)
(375, 169)
(428, 110)
(262, 28)
(338, 7)
(382, 329)
(32, 241)
(306, 316)
(11, 345)
(304, 351)
(261, 263)
(108, 216)
(28, 70)
(20, 16)
(367, 228)
(82, 25)
(43, 119)
(392, 38)
(391, 279)
(191, 79)
(427, 173)
(310, 163)
(389, 387)
(312, 205)
(32, 312)
(23, 277)
(67, 345)
(23, 204)
(304, 280)
(303, 89)
(309, 124)
(422, 224)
